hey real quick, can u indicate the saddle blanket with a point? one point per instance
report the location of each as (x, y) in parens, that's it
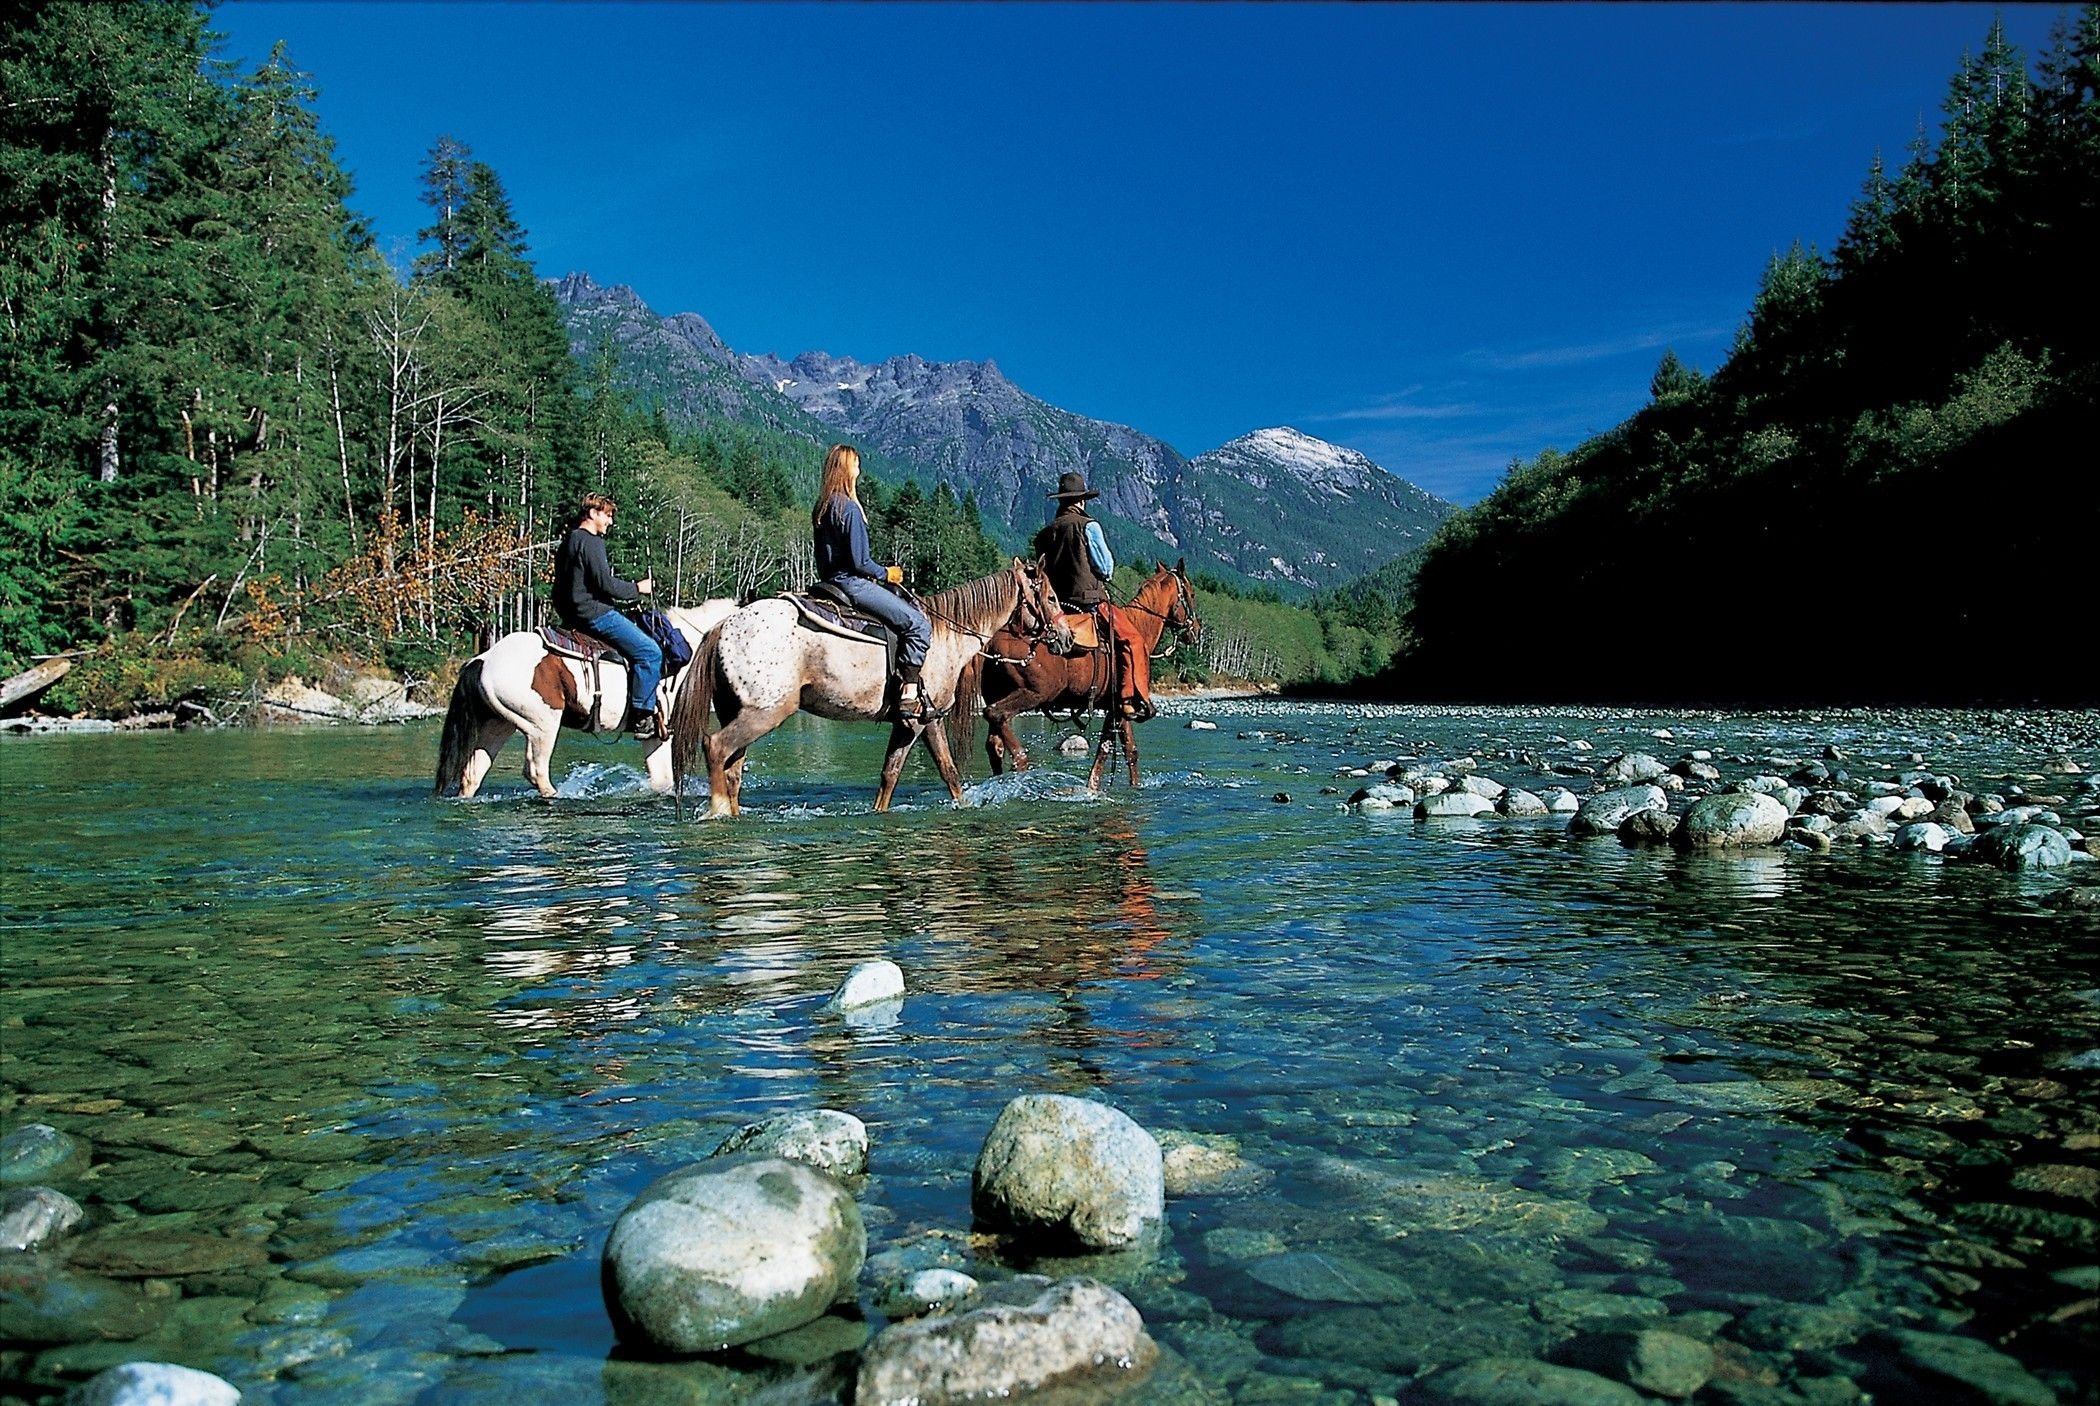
(828, 615)
(577, 646)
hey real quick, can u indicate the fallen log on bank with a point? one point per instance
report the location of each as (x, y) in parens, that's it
(30, 682)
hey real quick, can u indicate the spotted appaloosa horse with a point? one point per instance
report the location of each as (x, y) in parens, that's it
(1019, 677)
(517, 684)
(761, 665)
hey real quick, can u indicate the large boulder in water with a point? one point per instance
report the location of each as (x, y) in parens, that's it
(1604, 812)
(1019, 1336)
(1069, 1170)
(1731, 818)
(2025, 845)
(1631, 768)
(823, 1138)
(729, 1251)
(154, 1384)
(1452, 804)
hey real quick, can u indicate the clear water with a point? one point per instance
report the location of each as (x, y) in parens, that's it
(366, 1076)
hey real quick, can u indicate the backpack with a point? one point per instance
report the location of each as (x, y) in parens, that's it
(658, 626)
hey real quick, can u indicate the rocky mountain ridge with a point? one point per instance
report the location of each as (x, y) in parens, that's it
(1274, 507)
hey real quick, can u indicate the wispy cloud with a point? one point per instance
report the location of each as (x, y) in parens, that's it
(1399, 409)
(1583, 353)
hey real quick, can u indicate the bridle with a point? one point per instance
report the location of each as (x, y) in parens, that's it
(1184, 606)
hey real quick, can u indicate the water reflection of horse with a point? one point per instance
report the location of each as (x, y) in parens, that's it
(1020, 675)
(518, 684)
(761, 665)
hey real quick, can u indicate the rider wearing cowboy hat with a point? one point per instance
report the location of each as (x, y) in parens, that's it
(1075, 555)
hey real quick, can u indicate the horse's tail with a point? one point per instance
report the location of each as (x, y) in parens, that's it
(463, 719)
(690, 708)
(961, 721)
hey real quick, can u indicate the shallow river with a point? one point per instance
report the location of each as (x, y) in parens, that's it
(363, 1078)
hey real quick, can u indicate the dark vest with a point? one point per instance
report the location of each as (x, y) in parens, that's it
(1062, 546)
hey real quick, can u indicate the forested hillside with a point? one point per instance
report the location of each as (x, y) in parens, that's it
(1887, 491)
(234, 439)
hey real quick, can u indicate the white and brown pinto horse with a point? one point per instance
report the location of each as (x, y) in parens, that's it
(518, 684)
(762, 665)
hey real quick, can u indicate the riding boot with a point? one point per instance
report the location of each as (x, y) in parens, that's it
(913, 706)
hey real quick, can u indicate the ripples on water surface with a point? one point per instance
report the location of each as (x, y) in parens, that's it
(366, 1077)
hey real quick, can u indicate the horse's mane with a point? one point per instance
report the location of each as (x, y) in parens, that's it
(974, 600)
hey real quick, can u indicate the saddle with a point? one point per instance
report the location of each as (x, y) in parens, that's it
(1085, 628)
(827, 610)
(588, 648)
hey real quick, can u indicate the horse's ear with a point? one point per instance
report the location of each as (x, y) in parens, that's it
(1181, 567)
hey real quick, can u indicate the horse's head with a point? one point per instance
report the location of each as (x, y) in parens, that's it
(1038, 614)
(1181, 611)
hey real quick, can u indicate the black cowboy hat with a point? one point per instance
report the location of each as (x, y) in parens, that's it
(1072, 485)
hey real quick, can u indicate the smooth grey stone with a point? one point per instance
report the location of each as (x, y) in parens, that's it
(1604, 812)
(1647, 827)
(1452, 804)
(1732, 818)
(924, 1291)
(1515, 803)
(1480, 786)
(37, 1152)
(1320, 1277)
(1973, 1365)
(823, 1138)
(1069, 1169)
(153, 1384)
(2022, 845)
(866, 984)
(1655, 1360)
(1022, 1335)
(1798, 1327)
(1560, 800)
(729, 1251)
(1631, 768)
(31, 1216)
(1384, 796)
(1924, 835)
(43, 1303)
(1519, 1381)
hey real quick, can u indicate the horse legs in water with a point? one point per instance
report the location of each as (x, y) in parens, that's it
(902, 735)
(489, 736)
(1000, 742)
(937, 743)
(725, 756)
(1117, 727)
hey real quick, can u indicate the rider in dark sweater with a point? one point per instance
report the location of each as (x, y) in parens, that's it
(585, 592)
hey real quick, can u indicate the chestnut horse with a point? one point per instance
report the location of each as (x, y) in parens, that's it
(761, 665)
(1020, 675)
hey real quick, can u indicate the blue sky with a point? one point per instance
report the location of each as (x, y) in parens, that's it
(1445, 235)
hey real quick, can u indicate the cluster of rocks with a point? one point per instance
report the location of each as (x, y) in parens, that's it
(756, 1245)
(1811, 805)
(762, 1239)
(35, 1217)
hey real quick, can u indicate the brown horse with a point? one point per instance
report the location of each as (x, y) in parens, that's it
(1021, 675)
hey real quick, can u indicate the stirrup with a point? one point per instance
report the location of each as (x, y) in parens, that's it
(918, 710)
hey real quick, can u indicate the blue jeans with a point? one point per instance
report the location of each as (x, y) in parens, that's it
(645, 661)
(914, 633)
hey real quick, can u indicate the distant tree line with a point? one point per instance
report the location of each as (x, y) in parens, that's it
(1887, 491)
(236, 440)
